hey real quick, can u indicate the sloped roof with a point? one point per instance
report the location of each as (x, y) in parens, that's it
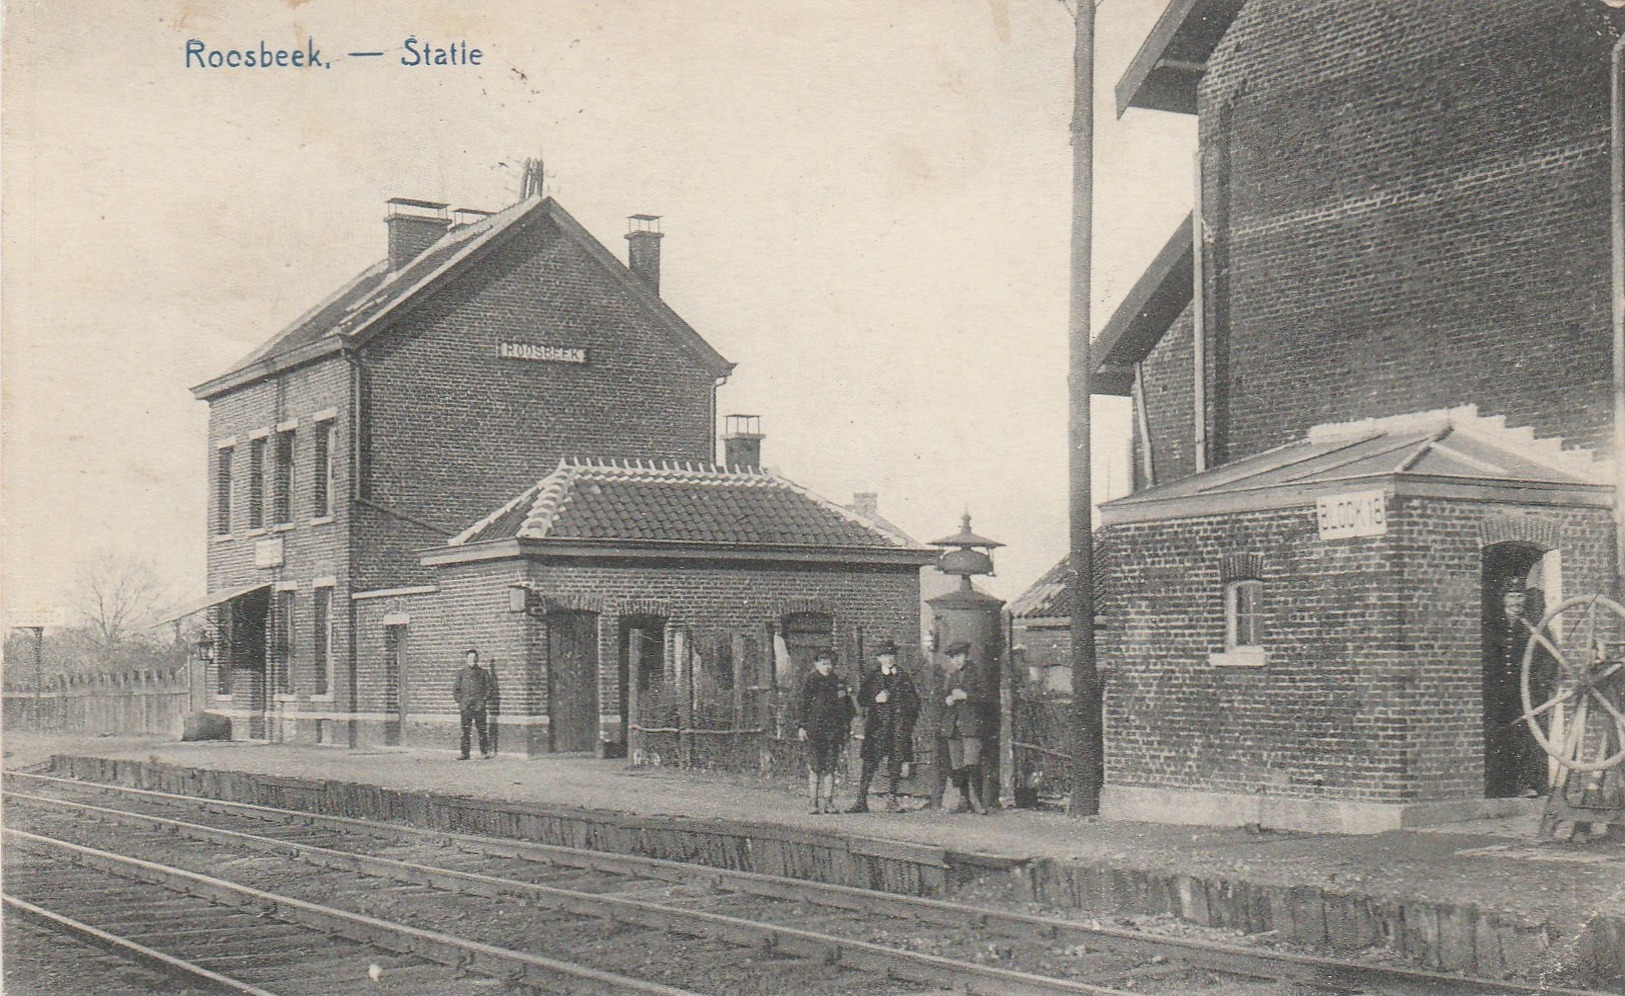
(1050, 597)
(1165, 71)
(640, 505)
(1147, 311)
(1449, 451)
(355, 311)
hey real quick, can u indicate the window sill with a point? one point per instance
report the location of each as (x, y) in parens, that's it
(259, 531)
(222, 698)
(222, 537)
(282, 527)
(1238, 657)
(322, 520)
(286, 697)
(327, 699)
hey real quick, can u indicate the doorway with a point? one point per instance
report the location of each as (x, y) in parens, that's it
(572, 681)
(246, 636)
(1518, 586)
(396, 698)
(641, 667)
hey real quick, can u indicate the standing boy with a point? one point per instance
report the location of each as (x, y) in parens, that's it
(890, 706)
(961, 727)
(825, 721)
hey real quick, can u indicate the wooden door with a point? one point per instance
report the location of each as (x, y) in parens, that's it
(572, 687)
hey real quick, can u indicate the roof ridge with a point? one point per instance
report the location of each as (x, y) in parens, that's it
(552, 492)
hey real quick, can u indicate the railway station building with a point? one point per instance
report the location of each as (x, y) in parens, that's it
(501, 437)
(1371, 389)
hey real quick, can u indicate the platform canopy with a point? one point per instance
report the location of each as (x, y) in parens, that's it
(1446, 453)
(212, 598)
(1169, 65)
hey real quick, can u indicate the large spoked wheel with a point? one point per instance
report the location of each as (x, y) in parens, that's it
(1573, 683)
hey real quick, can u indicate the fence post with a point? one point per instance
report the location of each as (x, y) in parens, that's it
(683, 659)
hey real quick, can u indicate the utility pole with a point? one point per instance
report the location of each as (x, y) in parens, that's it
(1088, 748)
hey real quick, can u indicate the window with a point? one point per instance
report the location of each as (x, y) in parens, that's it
(282, 643)
(282, 504)
(322, 644)
(256, 483)
(1244, 614)
(222, 490)
(321, 474)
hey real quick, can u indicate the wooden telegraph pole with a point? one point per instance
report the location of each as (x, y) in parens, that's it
(1088, 749)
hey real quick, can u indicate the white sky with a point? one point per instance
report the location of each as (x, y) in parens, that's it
(866, 205)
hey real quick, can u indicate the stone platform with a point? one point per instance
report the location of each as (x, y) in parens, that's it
(1480, 898)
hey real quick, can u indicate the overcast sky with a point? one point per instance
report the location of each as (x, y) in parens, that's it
(866, 206)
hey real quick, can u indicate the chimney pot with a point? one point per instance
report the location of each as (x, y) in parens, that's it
(742, 442)
(414, 226)
(643, 237)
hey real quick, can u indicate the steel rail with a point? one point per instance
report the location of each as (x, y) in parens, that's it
(488, 959)
(823, 948)
(1285, 966)
(140, 952)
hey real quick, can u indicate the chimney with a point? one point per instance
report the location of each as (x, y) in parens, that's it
(414, 226)
(643, 249)
(463, 217)
(866, 504)
(742, 442)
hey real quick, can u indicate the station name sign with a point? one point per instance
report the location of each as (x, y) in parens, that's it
(1361, 513)
(540, 354)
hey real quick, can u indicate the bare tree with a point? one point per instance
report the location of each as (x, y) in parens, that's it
(117, 596)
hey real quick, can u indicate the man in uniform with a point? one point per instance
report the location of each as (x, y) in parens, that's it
(890, 706)
(823, 724)
(471, 690)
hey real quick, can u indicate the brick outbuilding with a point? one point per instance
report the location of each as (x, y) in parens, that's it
(655, 596)
(1300, 637)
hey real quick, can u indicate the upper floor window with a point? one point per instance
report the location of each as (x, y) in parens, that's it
(321, 473)
(282, 504)
(222, 489)
(256, 483)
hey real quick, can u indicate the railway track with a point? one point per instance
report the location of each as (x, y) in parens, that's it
(755, 933)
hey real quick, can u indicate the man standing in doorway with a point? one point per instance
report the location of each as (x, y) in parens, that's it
(471, 690)
(890, 706)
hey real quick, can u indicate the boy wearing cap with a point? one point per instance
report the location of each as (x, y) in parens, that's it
(960, 726)
(824, 723)
(890, 706)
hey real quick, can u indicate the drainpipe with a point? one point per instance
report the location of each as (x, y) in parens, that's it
(1198, 327)
(1616, 80)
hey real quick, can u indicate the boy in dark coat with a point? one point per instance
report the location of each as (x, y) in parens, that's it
(890, 706)
(960, 726)
(825, 721)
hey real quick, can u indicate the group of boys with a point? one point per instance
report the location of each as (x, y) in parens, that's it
(890, 705)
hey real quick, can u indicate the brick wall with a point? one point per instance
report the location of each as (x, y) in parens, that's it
(469, 609)
(708, 600)
(1439, 544)
(454, 430)
(1407, 208)
(311, 550)
(1168, 381)
(1372, 690)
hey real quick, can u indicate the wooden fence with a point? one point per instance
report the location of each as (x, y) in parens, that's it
(131, 702)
